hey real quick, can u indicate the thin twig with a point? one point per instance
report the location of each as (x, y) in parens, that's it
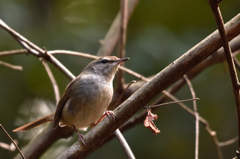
(124, 144)
(237, 155)
(74, 53)
(236, 62)
(35, 50)
(119, 76)
(122, 42)
(15, 67)
(10, 147)
(86, 55)
(110, 40)
(214, 4)
(67, 52)
(228, 142)
(168, 103)
(196, 116)
(123, 28)
(120, 98)
(53, 81)
(22, 40)
(12, 141)
(13, 52)
(203, 121)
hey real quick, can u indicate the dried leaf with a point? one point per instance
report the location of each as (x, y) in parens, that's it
(148, 123)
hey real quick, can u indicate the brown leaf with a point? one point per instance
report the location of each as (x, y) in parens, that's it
(148, 123)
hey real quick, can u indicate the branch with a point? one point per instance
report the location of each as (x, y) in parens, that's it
(11, 66)
(169, 103)
(163, 79)
(196, 116)
(123, 28)
(20, 152)
(14, 52)
(10, 147)
(74, 53)
(39, 144)
(232, 29)
(119, 76)
(54, 82)
(124, 144)
(214, 4)
(216, 57)
(112, 36)
(36, 51)
(122, 43)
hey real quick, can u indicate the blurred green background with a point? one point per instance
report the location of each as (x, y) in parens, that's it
(158, 33)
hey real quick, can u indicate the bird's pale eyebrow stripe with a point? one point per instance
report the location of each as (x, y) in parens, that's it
(106, 58)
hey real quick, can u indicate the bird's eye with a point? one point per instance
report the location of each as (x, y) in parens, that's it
(104, 61)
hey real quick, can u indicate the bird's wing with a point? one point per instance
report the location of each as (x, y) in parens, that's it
(59, 109)
(65, 97)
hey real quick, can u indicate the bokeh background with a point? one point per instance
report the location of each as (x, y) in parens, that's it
(158, 33)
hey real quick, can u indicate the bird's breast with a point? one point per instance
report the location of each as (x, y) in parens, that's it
(87, 103)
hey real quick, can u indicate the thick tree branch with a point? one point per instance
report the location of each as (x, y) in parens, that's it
(44, 140)
(231, 30)
(141, 97)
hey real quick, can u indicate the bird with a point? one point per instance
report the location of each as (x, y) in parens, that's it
(86, 97)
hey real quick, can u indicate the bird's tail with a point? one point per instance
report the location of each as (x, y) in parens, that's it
(35, 123)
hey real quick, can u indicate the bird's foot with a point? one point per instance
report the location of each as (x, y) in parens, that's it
(80, 136)
(109, 114)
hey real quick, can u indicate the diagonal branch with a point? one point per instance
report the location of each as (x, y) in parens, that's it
(53, 80)
(35, 50)
(210, 44)
(112, 36)
(15, 67)
(140, 98)
(214, 4)
(20, 152)
(124, 144)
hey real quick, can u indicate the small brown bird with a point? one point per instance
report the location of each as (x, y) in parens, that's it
(86, 97)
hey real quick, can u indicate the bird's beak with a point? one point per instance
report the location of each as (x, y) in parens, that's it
(123, 60)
